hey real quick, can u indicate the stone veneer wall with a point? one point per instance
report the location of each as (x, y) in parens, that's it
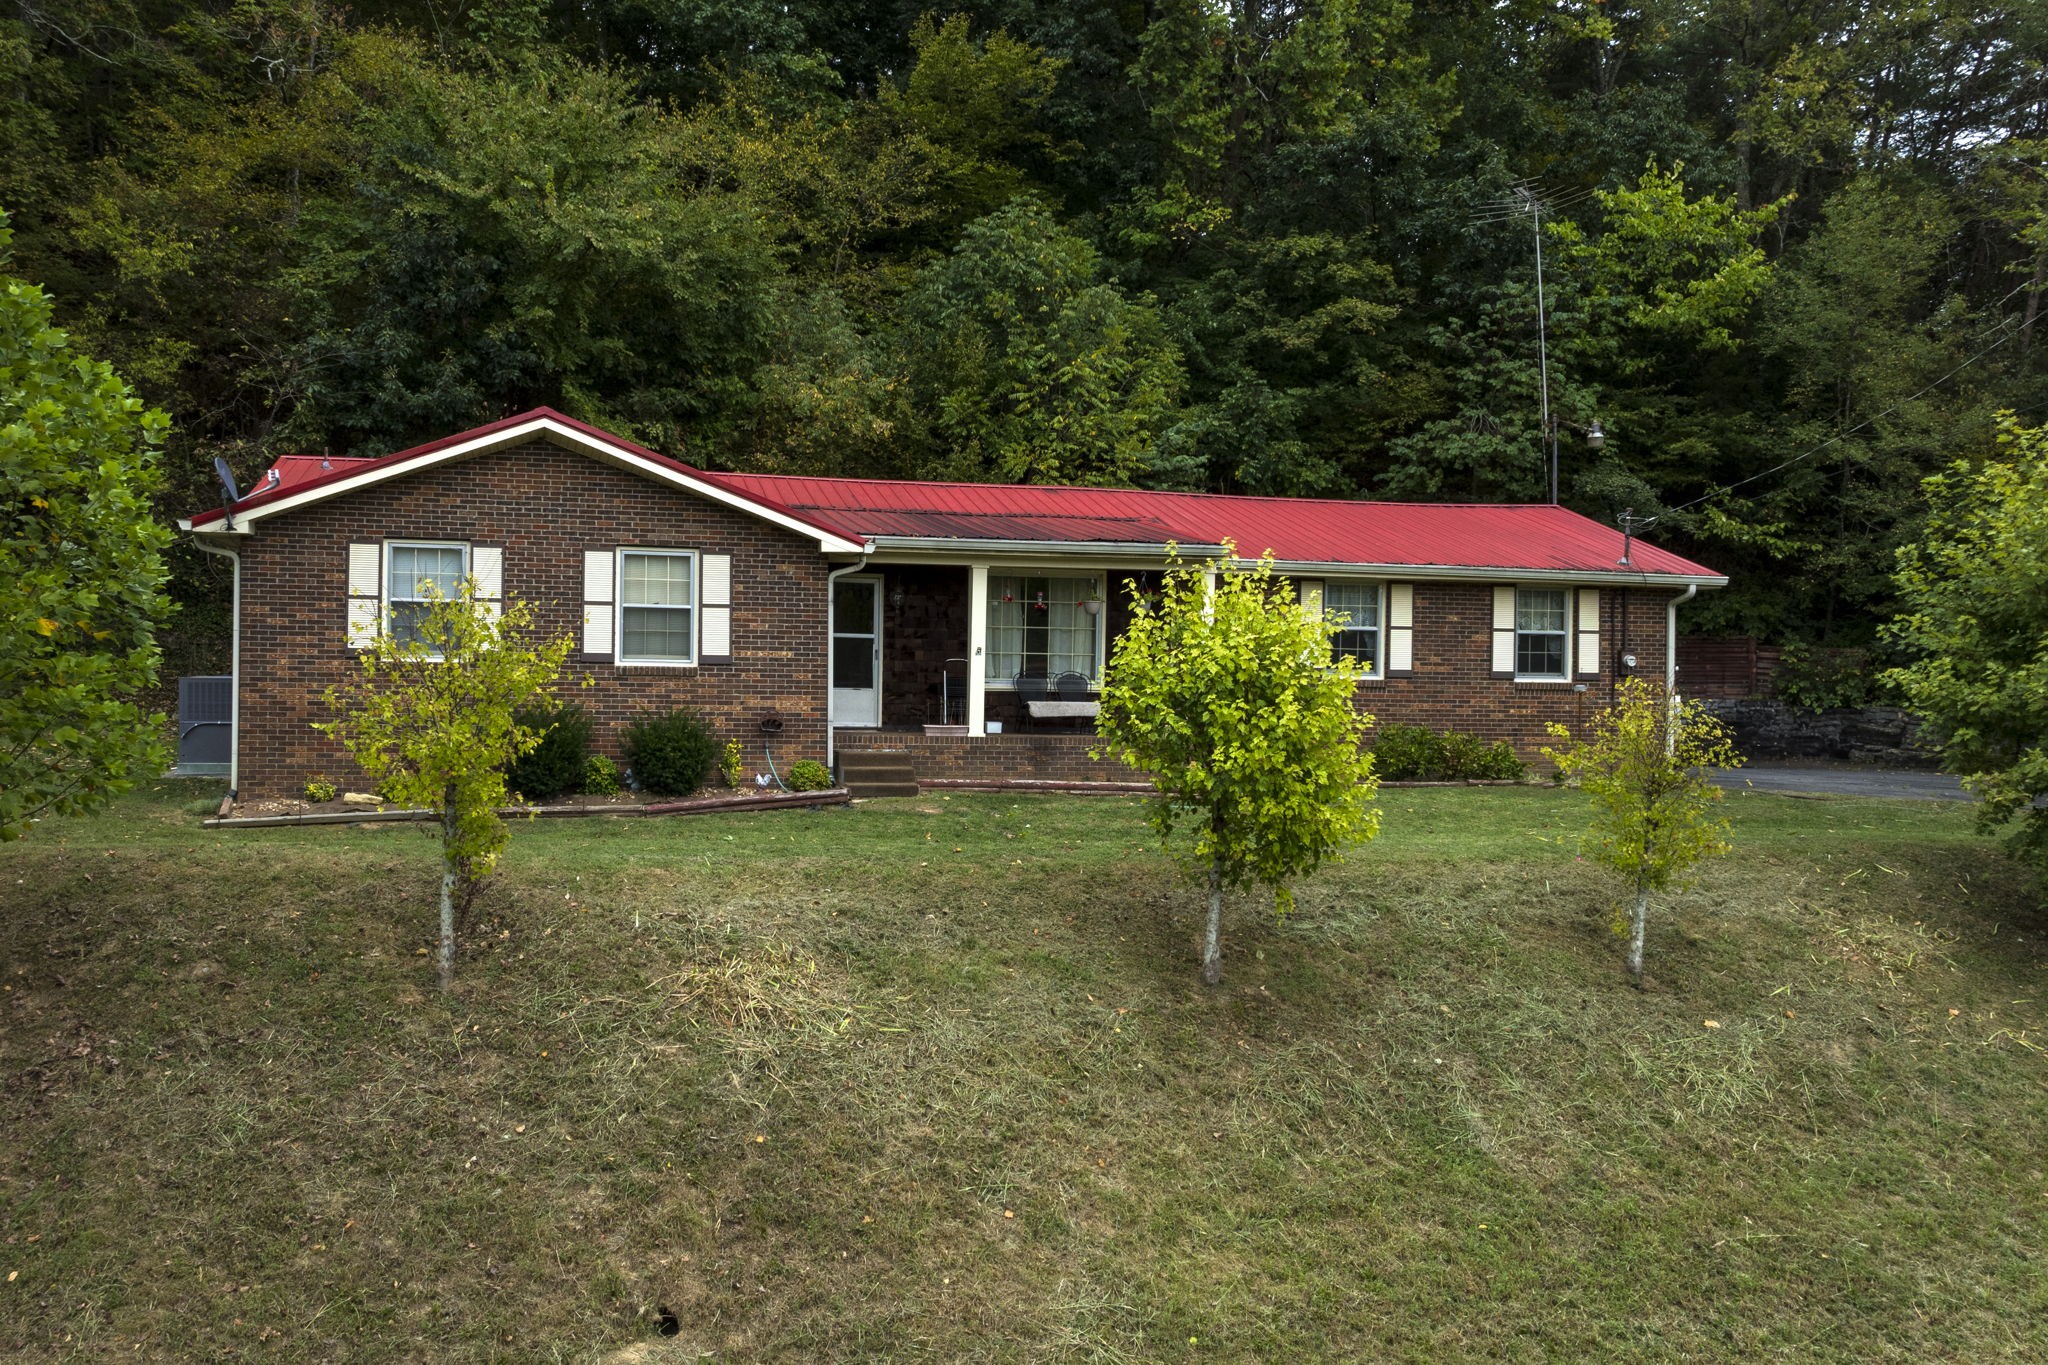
(545, 506)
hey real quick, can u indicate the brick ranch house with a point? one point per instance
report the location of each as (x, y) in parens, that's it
(814, 618)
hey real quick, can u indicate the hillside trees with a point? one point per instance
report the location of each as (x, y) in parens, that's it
(1034, 367)
(292, 223)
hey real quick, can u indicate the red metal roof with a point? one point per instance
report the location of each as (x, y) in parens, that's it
(1520, 536)
(1515, 536)
(296, 471)
(301, 480)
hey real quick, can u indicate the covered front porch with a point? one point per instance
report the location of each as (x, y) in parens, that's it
(954, 651)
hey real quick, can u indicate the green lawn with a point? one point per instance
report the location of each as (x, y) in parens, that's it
(935, 1079)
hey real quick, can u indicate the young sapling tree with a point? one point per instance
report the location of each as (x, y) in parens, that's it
(1644, 766)
(433, 718)
(1224, 693)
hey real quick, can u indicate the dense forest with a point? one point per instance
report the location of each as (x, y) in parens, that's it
(1793, 250)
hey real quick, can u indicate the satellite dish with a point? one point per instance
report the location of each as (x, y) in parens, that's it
(227, 483)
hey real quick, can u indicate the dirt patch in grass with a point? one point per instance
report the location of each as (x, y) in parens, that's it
(935, 1080)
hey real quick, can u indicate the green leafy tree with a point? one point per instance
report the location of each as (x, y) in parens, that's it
(1223, 692)
(525, 235)
(435, 719)
(82, 559)
(1035, 367)
(1975, 593)
(1645, 768)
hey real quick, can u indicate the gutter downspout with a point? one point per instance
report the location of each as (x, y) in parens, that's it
(832, 577)
(234, 670)
(1671, 662)
(1692, 590)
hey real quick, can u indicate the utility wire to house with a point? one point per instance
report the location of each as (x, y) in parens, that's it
(1843, 435)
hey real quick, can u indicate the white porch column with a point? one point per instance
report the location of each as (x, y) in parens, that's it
(977, 648)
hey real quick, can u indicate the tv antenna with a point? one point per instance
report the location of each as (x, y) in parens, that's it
(1630, 525)
(1525, 199)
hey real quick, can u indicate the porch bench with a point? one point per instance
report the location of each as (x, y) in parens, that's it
(1063, 710)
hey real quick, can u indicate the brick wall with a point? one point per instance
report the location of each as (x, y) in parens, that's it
(1451, 687)
(545, 506)
(1035, 757)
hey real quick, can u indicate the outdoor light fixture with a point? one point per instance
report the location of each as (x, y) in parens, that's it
(896, 596)
(1595, 438)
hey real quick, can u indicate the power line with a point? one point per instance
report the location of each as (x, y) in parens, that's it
(1878, 417)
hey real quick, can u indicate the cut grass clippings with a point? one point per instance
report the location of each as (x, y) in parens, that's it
(935, 1080)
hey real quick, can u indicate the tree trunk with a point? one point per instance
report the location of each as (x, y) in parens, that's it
(445, 959)
(1212, 955)
(1635, 936)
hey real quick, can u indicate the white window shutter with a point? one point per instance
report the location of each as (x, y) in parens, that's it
(597, 601)
(715, 604)
(487, 567)
(717, 631)
(362, 622)
(1400, 627)
(365, 592)
(1504, 632)
(717, 591)
(1589, 632)
(1310, 590)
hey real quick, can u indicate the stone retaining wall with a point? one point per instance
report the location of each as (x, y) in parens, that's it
(1882, 735)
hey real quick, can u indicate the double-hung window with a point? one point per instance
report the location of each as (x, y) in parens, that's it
(415, 574)
(657, 607)
(1541, 625)
(1354, 608)
(1041, 624)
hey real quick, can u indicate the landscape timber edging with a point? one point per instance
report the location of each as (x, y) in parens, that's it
(834, 796)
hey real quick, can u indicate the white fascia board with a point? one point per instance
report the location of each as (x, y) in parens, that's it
(948, 550)
(827, 542)
(1495, 573)
(945, 550)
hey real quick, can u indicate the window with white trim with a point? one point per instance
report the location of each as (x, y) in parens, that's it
(1353, 606)
(415, 573)
(657, 607)
(1541, 625)
(1039, 623)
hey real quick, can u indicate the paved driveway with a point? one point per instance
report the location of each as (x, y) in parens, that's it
(1910, 784)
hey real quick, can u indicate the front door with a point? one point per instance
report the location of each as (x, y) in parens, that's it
(857, 652)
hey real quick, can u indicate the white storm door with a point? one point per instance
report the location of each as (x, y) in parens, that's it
(857, 652)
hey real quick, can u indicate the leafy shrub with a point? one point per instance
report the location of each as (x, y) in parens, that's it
(671, 755)
(1403, 753)
(1468, 757)
(1816, 679)
(730, 769)
(557, 763)
(809, 775)
(320, 789)
(601, 776)
(1410, 753)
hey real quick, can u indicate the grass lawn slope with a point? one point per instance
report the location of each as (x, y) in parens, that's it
(935, 1080)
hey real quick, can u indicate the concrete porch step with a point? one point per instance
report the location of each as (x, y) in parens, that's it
(878, 772)
(862, 791)
(875, 761)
